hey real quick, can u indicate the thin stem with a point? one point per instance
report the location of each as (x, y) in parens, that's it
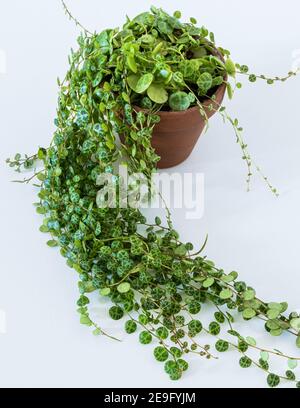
(71, 17)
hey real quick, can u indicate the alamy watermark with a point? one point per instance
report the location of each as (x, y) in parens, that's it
(134, 190)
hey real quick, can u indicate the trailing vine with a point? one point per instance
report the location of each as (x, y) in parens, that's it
(153, 280)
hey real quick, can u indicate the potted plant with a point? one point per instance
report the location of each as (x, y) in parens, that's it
(155, 82)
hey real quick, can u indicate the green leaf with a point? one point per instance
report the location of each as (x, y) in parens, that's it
(164, 27)
(251, 341)
(157, 93)
(105, 291)
(249, 313)
(274, 305)
(125, 97)
(179, 101)
(230, 67)
(130, 326)
(222, 346)
(264, 364)
(145, 337)
(161, 354)
(41, 176)
(44, 228)
(41, 153)
(214, 328)
(229, 278)
(249, 294)
(276, 332)
(131, 63)
(132, 81)
(97, 332)
(273, 380)
(264, 355)
(157, 221)
(208, 282)
(226, 294)
(157, 48)
(290, 375)
(52, 243)
(273, 324)
(180, 250)
(143, 83)
(85, 320)
(292, 364)
(41, 210)
(284, 306)
(298, 341)
(116, 312)
(178, 77)
(123, 287)
(177, 14)
(204, 82)
(295, 323)
(229, 90)
(245, 362)
(273, 313)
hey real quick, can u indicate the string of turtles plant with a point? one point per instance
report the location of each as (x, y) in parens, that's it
(153, 280)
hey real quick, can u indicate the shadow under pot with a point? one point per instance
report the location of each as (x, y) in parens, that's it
(177, 133)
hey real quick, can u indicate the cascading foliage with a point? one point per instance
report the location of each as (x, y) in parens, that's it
(156, 284)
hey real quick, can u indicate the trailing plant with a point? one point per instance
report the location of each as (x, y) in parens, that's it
(156, 283)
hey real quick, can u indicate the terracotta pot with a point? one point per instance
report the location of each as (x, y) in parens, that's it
(177, 133)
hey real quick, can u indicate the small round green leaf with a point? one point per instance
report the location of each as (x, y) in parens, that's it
(273, 380)
(143, 83)
(157, 93)
(292, 364)
(226, 294)
(222, 346)
(249, 313)
(295, 323)
(145, 337)
(251, 341)
(123, 287)
(161, 354)
(105, 291)
(208, 282)
(264, 355)
(249, 294)
(245, 362)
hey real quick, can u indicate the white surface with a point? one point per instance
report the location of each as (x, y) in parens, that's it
(253, 233)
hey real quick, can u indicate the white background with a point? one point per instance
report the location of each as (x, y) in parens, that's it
(253, 233)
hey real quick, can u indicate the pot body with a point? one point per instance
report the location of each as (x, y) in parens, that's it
(177, 133)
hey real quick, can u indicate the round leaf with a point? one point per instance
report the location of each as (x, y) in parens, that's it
(143, 83)
(292, 364)
(295, 323)
(251, 341)
(105, 291)
(264, 355)
(123, 287)
(132, 81)
(131, 63)
(208, 282)
(225, 294)
(157, 93)
(230, 67)
(248, 313)
(249, 294)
